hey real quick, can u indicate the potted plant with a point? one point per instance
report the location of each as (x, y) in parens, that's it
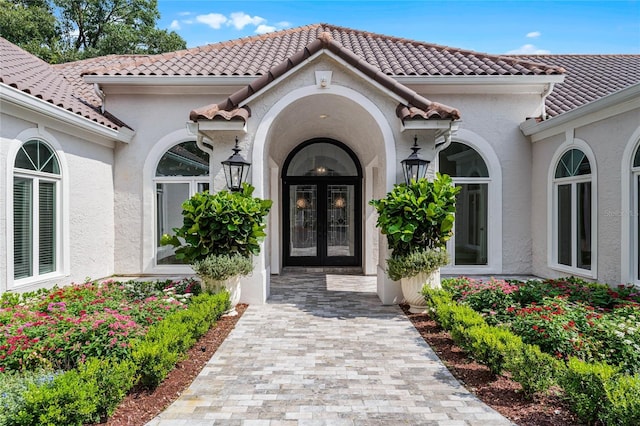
(418, 221)
(219, 235)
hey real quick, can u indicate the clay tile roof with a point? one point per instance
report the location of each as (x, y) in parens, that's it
(255, 56)
(29, 74)
(588, 78)
(417, 107)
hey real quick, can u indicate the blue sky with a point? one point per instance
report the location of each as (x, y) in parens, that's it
(498, 26)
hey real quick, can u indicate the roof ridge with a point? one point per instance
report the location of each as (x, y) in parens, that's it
(413, 42)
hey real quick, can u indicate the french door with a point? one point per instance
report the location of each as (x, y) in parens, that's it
(322, 222)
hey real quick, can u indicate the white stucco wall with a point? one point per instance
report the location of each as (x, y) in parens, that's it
(607, 138)
(87, 198)
(495, 118)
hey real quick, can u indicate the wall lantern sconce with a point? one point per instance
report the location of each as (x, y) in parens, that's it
(236, 169)
(414, 166)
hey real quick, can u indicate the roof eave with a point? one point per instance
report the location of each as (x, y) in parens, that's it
(171, 80)
(624, 99)
(19, 98)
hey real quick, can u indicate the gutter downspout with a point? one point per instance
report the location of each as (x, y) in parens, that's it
(546, 93)
(101, 95)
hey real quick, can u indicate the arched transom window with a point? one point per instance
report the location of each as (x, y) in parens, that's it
(36, 211)
(181, 172)
(573, 212)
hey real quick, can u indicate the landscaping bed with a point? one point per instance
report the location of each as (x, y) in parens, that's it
(567, 337)
(55, 345)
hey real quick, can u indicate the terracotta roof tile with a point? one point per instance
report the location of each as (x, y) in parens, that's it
(29, 74)
(417, 107)
(588, 78)
(391, 55)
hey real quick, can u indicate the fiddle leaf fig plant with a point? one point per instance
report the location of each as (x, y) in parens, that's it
(418, 216)
(418, 221)
(223, 223)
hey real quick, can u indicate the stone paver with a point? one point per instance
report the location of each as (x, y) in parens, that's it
(324, 351)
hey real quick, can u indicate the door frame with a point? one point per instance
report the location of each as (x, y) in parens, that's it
(321, 183)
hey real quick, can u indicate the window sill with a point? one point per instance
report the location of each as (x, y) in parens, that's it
(582, 273)
(31, 283)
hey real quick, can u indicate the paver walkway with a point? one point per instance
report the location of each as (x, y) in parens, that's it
(324, 351)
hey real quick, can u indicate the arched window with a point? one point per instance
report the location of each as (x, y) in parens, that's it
(572, 245)
(636, 214)
(181, 172)
(469, 171)
(36, 211)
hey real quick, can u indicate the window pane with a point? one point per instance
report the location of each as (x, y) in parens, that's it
(184, 159)
(460, 160)
(322, 159)
(36, 155)
(22, 227)
(340, 220)
(564, 225)
(169, 199)
(303, 222)
(636, 159)
(47, 227)
(573, 163)
(471, 224)
(584, 225)
(637, 216)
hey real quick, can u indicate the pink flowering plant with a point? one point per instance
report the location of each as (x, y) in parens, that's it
(62, 327)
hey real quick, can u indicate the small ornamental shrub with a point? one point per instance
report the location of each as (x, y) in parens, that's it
(416, 262)
(462, 319)
(13, 387)
(623, 396)
(221, 267)
(585, 388)
(436, 296)
(492, 346)
(535, 370)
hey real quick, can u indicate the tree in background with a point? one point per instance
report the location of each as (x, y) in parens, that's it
(65, 30)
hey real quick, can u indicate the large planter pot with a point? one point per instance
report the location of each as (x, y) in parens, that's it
(231, 284)
(412, 289)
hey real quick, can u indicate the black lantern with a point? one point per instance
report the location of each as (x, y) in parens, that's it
(236, 169)
(414, 166)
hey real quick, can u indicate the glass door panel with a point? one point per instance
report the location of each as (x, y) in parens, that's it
(340, 220)
(303, 223)
(471, 224)
(169, 199)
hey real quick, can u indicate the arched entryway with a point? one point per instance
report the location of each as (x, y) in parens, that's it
(322, 205)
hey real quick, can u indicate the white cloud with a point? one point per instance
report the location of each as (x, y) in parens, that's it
(214, 20)
(263, 29)
(241, 20)
(283, 24)
(534, 34)
(528, 49)
(175, 25)
(187, 21)
(184, 13)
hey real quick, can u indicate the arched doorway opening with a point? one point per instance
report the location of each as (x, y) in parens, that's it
(322, 205)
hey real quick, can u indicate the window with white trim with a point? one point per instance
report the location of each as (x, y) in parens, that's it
(469, 245)
(573, 206)
(181, 172)
(36, 212)
(635, 216)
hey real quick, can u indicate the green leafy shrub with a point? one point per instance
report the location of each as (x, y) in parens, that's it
(585, 388)
(415, 262)
(14, 385)
(492, 346)
(165, 343)
(462, 319)
(535, 370)
(623, 395)
(436, 296)
(221, 267)
(220, 224)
